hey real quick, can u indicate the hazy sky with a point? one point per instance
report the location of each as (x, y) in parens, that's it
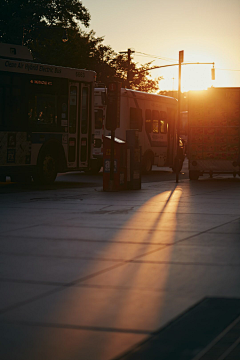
(207, 31)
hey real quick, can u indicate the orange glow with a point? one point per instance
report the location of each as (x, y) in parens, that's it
(126, 309)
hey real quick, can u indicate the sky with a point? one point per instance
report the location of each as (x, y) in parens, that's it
(207, 31)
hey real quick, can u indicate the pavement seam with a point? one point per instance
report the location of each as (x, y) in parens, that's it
(79, 327)
(160, 262)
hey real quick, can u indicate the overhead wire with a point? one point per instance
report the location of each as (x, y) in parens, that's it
(155, 56)
(227, 69)
(171, 59)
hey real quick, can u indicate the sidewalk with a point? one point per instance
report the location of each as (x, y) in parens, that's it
(90, 275)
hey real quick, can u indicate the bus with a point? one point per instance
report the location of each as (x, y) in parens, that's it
(154, 116)
(100, 112)
(46, 117)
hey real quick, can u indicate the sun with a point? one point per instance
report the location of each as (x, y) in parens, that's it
(193, 76)
(196, 77)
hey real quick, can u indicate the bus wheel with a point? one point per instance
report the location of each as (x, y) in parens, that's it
(193, 175)
(147, 164)
(47, 170)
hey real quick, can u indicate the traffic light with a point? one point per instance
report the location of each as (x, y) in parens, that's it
(113, 105)
(213, 73)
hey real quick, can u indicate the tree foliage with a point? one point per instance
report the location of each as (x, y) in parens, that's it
(24, 18)
(40, 26)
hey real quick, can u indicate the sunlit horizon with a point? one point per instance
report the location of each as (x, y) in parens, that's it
(206, 31)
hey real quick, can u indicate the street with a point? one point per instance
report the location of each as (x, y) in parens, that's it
(81, 179)
(126, 275)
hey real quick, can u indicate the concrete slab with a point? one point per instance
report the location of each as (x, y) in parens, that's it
(99, 234)
(13, 293)
(49, 270)
(215, 239)
(195, 255)
(122, 308)
(168, 221)
(232, 228)
(75, 249)
(28, 342)
(177, 279)
(80, 267)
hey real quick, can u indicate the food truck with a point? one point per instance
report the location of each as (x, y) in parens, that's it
(214, 132)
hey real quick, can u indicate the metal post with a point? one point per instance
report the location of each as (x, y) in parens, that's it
(111, 183)
(179, 114)
(128, 71)
(129, 52)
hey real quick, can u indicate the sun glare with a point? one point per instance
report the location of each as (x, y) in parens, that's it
(196, 77)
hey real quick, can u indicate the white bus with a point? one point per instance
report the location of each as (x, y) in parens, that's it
(46, 115)
(155, 118)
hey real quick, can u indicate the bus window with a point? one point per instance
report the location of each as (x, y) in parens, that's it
(155, 121)
(73, 110)
(162, 126)
(12, 100)
(163, 122)
(98, 119)
(84, 125)
(136, 119)
(43, 110)
(148, 121)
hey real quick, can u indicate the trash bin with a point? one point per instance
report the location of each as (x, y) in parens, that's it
(133, 160)
(119, 181)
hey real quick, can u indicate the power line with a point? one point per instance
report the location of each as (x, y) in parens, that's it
(170, 59)
(227, 69)
(155, 56)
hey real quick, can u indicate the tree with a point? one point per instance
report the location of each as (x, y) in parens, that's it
(40, 24)
(22, 20)
(86, 51)
(139, 75)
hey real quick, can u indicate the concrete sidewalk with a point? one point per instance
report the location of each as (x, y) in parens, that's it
(90, 275)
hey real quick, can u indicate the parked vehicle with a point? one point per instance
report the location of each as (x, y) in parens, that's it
(214, 132)
(46, 117)
(154, 116)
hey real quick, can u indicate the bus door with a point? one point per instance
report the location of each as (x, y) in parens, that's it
(78, 126)
(73, 124)
(84, 129)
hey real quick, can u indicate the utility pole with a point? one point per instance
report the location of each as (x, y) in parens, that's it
(128, 52)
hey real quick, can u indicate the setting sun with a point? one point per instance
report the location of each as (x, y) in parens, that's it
(196, 77)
